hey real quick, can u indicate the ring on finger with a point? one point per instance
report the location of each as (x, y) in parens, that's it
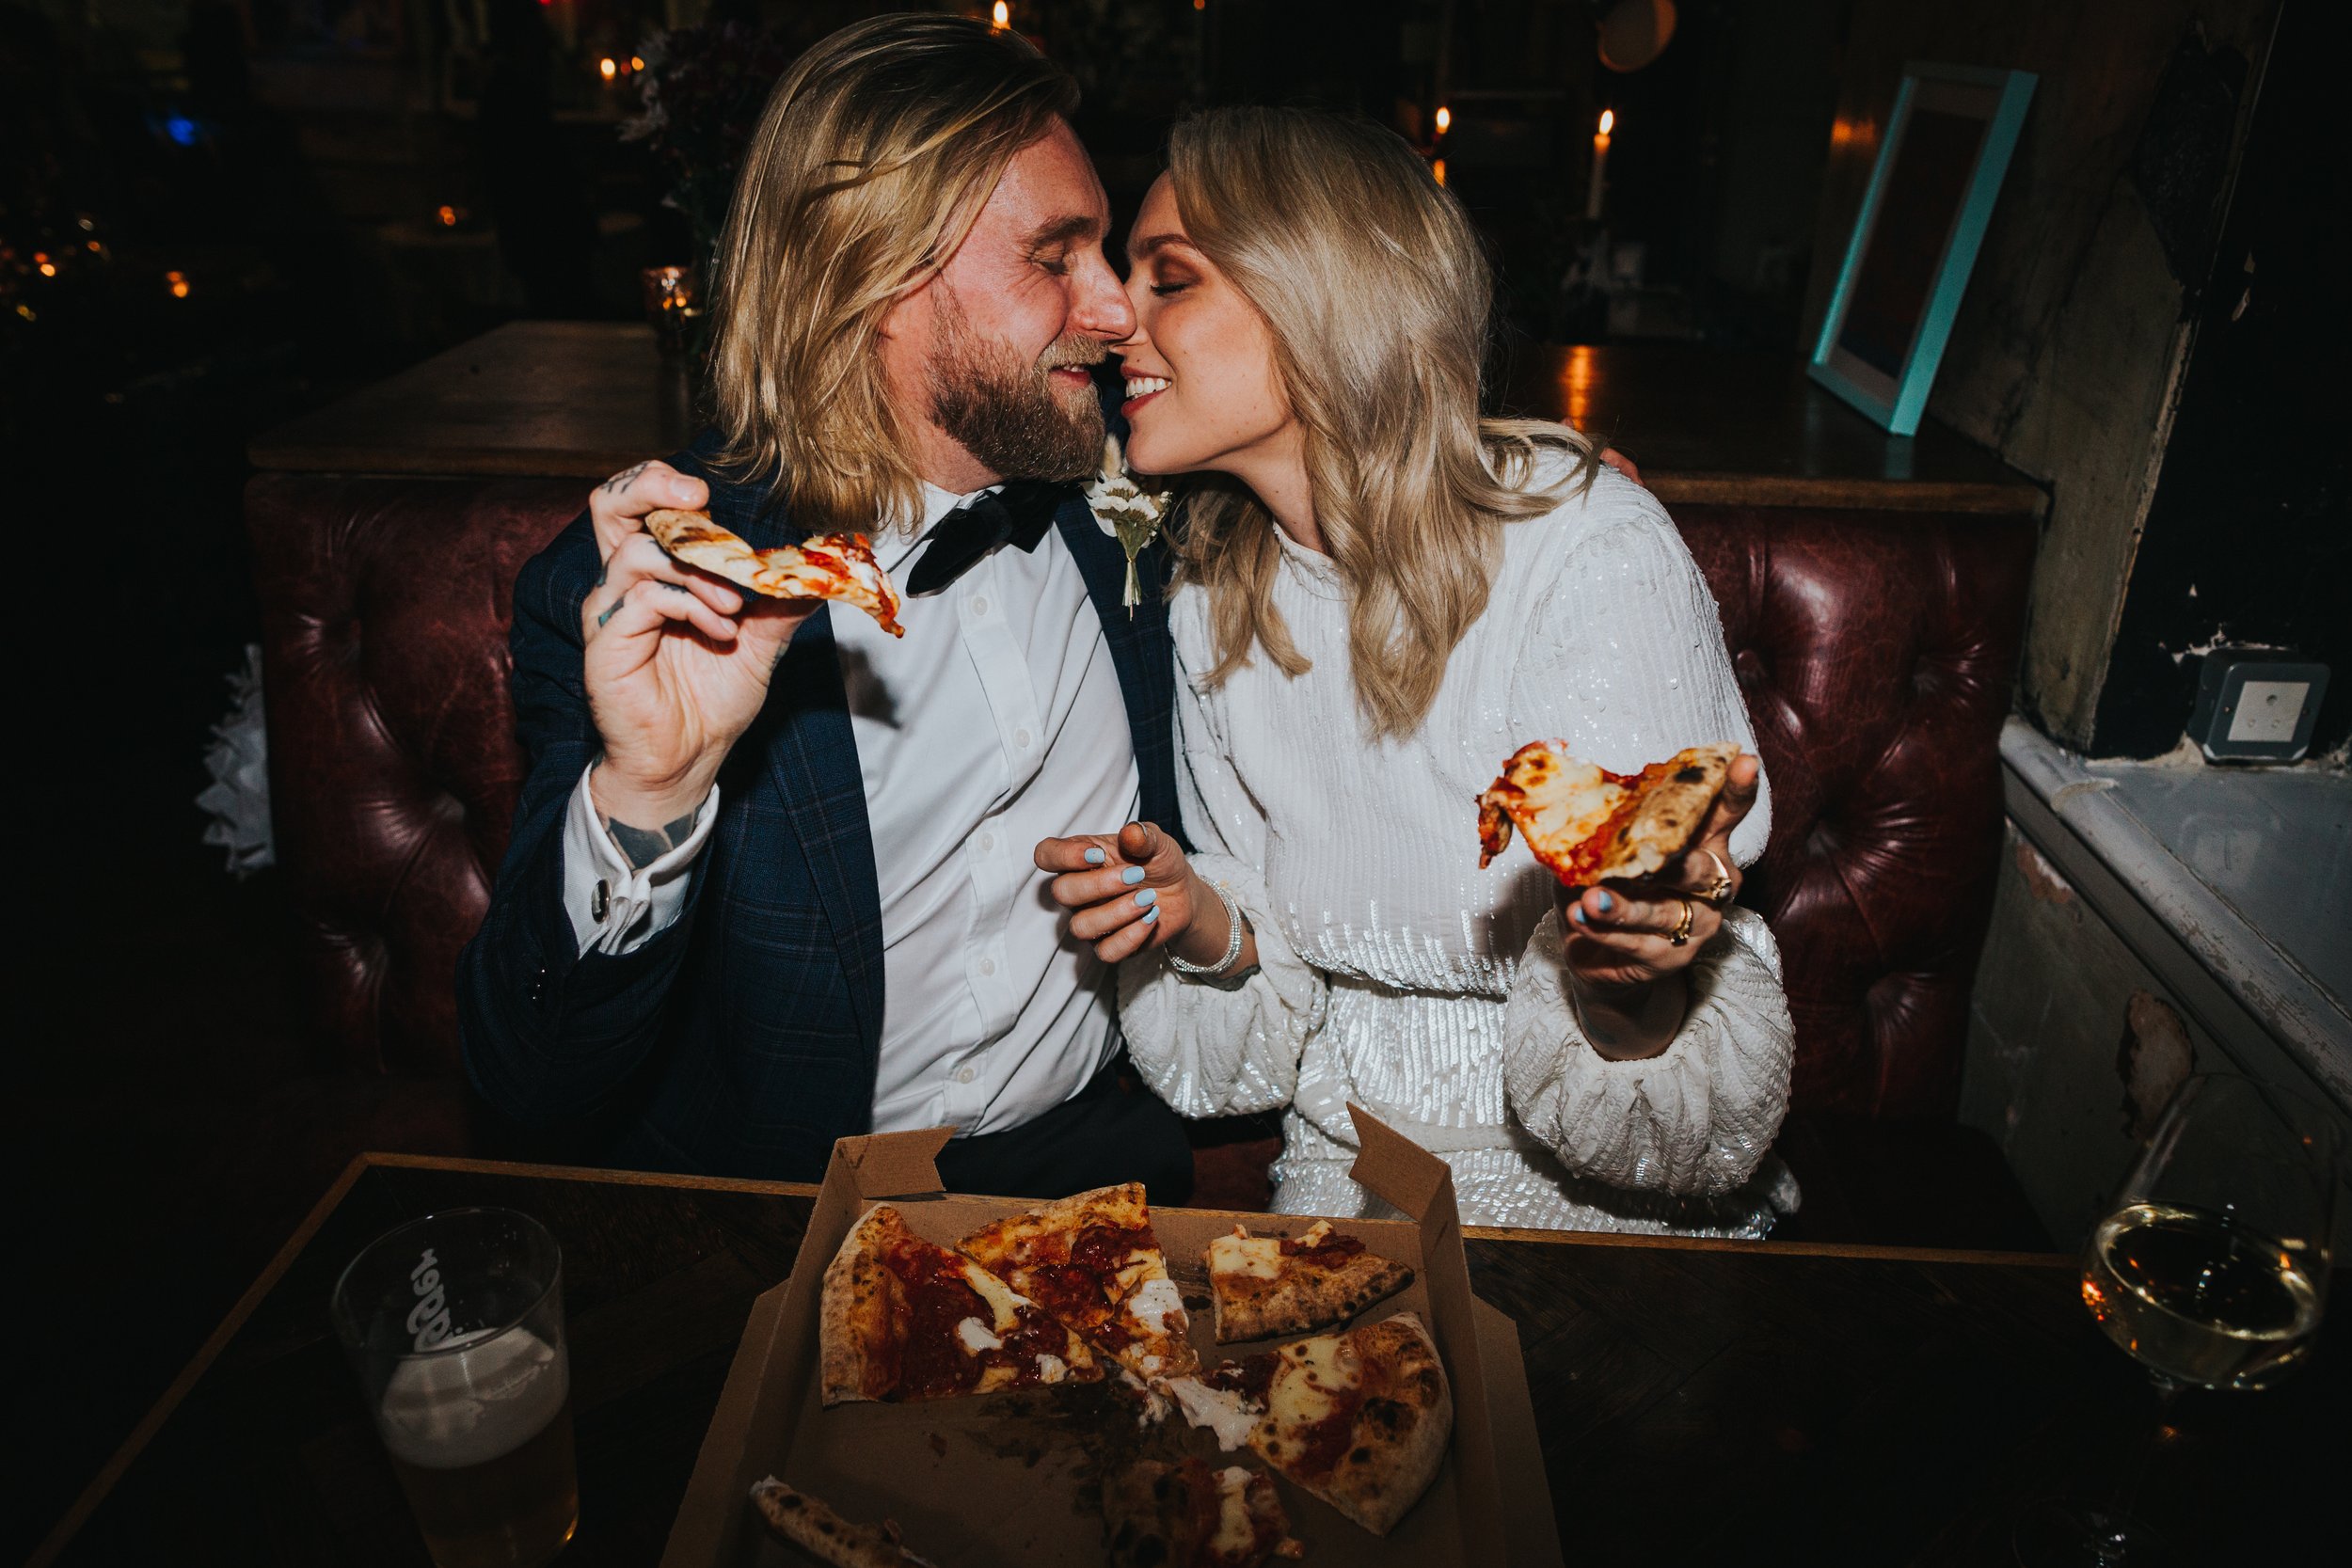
(1680, 935)
(1719, 891)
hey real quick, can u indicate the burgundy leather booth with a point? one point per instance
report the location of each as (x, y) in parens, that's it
(1876, 650)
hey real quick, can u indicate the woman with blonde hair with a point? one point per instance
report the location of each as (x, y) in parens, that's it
(1381, 596)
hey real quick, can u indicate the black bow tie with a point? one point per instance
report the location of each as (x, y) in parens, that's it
(1017, 515)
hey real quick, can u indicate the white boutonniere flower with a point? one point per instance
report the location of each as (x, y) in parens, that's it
(1127, 512)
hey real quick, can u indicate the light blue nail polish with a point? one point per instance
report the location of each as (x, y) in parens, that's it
(1094, 857)
(1150, 915)
(1605, 902)
(1576, 914)
(1148, 898)
(1132, 875)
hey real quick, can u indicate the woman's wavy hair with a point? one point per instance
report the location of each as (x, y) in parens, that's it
(1378, 296)
(876, 152)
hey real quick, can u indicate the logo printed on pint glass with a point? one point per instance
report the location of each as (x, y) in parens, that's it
(428, 1320)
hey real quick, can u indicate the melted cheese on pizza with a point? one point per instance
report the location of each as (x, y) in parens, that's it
(1236, 1532)
(1308, 1385)
(1000, 1296)
(1256, 1256)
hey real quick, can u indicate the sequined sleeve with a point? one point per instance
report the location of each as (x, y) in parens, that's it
(1627, 657)
(1693, 1121)
(1214, 1049)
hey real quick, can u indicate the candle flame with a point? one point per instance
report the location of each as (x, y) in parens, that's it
(608, 68)
(178, 283)
(448, 215)
(1608, 120)
(1001, 16)
(1445, 119)
(637, 62)
(48, 269)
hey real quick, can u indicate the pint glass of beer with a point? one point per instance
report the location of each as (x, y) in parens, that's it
(454, 1324)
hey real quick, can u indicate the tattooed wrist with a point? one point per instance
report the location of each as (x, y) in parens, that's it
(642, 847)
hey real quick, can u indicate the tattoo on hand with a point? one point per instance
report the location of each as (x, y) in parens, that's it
(620, 481)
(611, 610)
(645, 845)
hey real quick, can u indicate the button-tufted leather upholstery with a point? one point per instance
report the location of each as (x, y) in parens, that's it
(1876, 651)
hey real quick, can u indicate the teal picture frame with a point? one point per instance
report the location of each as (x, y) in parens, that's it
(1914, 240)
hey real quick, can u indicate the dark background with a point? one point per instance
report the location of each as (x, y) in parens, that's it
(216, 215)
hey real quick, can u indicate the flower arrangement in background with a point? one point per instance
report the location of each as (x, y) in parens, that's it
(703, 91)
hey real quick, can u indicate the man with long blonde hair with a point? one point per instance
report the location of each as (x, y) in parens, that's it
(769, 881)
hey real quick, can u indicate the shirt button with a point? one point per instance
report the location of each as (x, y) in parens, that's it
(965, 1077)
(988, 841)
(1020, 738)
(988, 966)
(979, 604)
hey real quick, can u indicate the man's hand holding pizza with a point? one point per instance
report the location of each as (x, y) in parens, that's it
(676, 662)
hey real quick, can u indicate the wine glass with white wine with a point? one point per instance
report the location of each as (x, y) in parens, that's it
(2211, 1271)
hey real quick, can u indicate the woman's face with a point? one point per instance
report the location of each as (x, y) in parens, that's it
(1203, 391)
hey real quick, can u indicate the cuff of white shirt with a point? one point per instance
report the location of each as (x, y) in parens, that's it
(614, 907)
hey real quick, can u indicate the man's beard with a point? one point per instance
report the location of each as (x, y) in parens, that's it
(1010, 415)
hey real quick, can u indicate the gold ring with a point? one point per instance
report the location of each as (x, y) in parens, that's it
(1719, 891)
(1680, 935)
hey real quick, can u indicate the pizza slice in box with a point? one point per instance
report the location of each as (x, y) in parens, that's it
(1188, 1515)
(901, 1318)
(1360, 1419)
(1589, 825)
(826, 567)
(1264, 1286)
(1093, 1261)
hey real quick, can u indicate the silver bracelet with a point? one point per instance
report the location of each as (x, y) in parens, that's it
(1235, 930)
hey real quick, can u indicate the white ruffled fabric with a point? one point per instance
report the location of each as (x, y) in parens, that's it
(1395, 974)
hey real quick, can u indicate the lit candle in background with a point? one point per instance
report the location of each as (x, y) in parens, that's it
(1600, 163)
(1001, 17)
(608, 68)
(1445, 119)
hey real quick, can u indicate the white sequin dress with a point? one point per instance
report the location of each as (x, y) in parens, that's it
(1396, 974)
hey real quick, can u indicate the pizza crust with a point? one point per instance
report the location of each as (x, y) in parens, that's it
(811, 1524)
(1671, 811)
(856, 1310)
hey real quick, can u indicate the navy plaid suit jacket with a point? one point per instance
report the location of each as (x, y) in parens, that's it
(743, 1039)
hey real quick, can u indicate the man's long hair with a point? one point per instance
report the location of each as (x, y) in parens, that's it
(875, 154)
(1376, 295)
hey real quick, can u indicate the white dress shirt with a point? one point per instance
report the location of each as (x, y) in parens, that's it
(996, 721)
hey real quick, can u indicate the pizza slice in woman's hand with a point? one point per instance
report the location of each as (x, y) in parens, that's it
(826, 567)
(1589, 824)
(1093, 1261)
(901, 1318)
(1264, 1286)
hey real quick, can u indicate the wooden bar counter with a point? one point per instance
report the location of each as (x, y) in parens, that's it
(582, 400)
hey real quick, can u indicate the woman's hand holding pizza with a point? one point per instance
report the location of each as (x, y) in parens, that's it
(677, 663)
(1621, 935)
(1134, 889)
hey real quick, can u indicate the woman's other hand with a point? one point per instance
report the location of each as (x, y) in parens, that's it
(1132, 890)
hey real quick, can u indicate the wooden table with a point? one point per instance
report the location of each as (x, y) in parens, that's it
(586, 399)
(1699, 1401)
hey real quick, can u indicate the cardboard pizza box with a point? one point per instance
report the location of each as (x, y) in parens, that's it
(1012, 1480)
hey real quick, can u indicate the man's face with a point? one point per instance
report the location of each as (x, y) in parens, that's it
(993, 351)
